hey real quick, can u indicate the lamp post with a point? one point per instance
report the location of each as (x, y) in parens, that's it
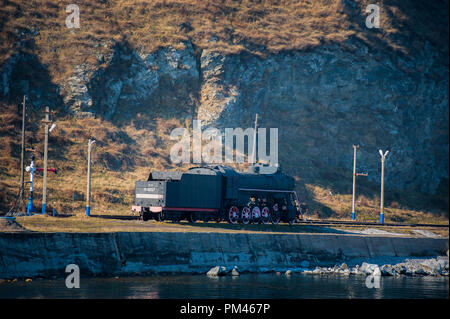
(46, 121)
(44, 189)
(383, 158)
(354, 181)
(88, 190)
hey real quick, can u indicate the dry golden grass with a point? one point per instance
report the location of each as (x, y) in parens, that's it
(367, 208)
(229, 26)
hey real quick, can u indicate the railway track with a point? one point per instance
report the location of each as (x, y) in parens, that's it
(313, 222)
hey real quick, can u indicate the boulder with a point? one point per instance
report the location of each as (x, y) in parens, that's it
(344, 266)
(318, 270)
(363, 267)
(370, 269)
(400, 269)
(217, 271)
(388, 270)
(443, 263)
(376, 271)
(235, 272)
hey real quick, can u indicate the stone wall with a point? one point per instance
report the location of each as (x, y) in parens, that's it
(108, 254)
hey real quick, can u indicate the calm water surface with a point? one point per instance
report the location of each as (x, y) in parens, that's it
(244, 286)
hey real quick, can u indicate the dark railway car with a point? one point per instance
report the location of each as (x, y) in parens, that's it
(218, 193)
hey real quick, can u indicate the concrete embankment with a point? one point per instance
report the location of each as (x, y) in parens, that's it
(47, 254)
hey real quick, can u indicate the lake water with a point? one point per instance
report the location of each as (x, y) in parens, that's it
(245, 286)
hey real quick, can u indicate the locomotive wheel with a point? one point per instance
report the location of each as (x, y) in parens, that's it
(192, 218)
(245, 215)
(292, 221)
(159, 217)
(256, 215)
(205, 219)
(175, 218)
(265, 215)
(233, 215)
(275, 216)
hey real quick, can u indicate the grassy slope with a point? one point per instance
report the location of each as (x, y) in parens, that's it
(123, 156)
(259, 27)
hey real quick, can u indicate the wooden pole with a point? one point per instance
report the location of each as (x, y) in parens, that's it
(22, 155)
(44, 190)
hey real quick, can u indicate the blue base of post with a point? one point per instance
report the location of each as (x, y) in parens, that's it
(381, 218)
(53, 211)
(43, 208)
(30, 206)
(353, 215)
(88, 210)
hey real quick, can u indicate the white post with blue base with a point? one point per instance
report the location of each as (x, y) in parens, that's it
(31, 169)
(383, 158)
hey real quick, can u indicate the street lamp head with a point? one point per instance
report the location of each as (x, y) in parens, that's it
(381, 152)
(386, 153)
(52, 127)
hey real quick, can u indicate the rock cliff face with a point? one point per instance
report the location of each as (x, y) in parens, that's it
(324, 100)
(321, 100)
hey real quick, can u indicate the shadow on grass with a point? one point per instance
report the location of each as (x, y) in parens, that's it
(120, 217)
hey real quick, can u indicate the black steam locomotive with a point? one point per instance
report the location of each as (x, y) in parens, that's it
(218, 193)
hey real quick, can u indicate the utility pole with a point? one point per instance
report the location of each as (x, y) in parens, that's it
(22, 155)
(383, 158)
(88, 190)
(44, 190)
(254, 140)
(354, 180)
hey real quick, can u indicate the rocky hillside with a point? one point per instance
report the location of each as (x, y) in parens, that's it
(310, 68)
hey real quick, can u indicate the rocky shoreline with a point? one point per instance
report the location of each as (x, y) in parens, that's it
(438, 266)
(410, 267)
